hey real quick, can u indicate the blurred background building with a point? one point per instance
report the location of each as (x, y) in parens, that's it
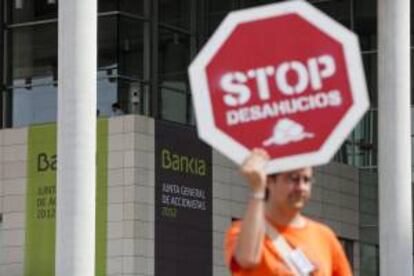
(144, 48)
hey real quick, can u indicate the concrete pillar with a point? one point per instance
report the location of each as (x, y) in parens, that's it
(394, 168)
(77, 63)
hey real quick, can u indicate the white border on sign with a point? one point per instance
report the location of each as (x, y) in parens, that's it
(201, 98)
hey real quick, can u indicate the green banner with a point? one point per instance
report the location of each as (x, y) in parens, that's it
(41, 200)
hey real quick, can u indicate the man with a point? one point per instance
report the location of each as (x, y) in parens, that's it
(274, 238)
(116, 109)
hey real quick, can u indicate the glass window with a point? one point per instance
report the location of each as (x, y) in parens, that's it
(174, 55)
(107, 42)
(412, 76)
(220, 5)
(107, 5)
(34, 53)
(107, 94)
(34, 104)
(175, 12)
(371, 75)
(369, 265)
(368, 210)
(338, 10)
(107, 64)
(361, 146)
(366, 23)
(31, 10)
(133, 6)
(132, 96)
(131, 48)
(173, 61)
(253, 3)
(412, 24)
(174, 102)
(38, 104)
(217, 10)
(33, 74)
(34, 71)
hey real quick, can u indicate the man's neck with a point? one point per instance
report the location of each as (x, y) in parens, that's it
(291, 218)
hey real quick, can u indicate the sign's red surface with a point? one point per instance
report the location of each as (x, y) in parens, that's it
(284, 77)
(285, 93)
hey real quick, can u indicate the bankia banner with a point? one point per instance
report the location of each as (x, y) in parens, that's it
(183, 202)
(39, 253)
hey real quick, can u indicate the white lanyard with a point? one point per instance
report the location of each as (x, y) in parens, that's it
(295, 259)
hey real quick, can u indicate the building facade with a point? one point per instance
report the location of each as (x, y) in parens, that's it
(144, 48)
(164, 200)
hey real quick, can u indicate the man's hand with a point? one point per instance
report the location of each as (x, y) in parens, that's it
(253, 169)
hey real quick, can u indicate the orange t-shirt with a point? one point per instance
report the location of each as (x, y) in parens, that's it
(316, 241)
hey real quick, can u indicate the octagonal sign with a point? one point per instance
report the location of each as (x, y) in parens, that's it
(283, 77)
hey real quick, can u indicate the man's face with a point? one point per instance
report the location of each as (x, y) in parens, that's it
(290, 191)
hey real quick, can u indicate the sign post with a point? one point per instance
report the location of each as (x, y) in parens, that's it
(284, 77)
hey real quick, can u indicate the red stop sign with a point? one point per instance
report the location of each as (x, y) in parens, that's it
(284, 77)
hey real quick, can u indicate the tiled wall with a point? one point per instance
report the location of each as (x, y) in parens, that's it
(13, 155)
(130, 247)
(336, 191)
(131, 196)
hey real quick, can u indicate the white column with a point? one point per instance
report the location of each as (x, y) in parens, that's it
(394, 168)
(75, 214)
